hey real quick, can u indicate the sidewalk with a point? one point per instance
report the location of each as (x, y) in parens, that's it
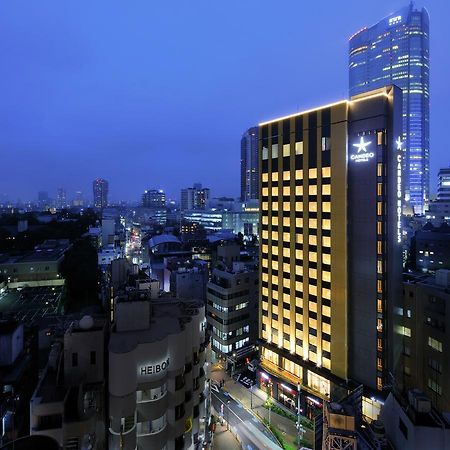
(257, 399)
(224, 440)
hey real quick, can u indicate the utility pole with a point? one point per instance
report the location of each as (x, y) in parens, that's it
(299, 426)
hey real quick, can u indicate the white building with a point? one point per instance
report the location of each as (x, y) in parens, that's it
(68, 404)
(156, 374)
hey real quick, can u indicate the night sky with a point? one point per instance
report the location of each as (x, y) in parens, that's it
(157, 94)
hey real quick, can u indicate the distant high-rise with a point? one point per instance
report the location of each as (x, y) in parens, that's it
(100, 188)
(154, 198)
(194, 198)
(61, 201)
(43, 200)
(78, 200)
(396, 51)
(249, 165)
(443, 193)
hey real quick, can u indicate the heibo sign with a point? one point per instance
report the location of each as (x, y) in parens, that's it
(153, 369)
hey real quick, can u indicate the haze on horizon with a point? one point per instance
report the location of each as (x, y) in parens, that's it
(157, 95)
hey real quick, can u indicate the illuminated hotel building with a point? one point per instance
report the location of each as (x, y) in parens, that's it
(396, 51)
(331, 200)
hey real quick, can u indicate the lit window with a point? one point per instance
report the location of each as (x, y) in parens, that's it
(286, 149)
(326, 172)
(326, 276)
(299, 148)
(435, 344)
(275, 151)
(326, 189)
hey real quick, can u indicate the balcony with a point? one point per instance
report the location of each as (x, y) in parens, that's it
(152, 434)
(153, 408)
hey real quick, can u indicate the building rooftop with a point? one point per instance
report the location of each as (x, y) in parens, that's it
(50, 250)
(168, 315)
(163, 239)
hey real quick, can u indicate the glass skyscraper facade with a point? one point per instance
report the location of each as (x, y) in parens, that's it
(249, 165)
(396, 51)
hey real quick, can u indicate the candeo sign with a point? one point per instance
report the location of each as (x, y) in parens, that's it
(362, 154)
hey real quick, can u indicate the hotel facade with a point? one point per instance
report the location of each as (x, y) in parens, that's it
(331, 198)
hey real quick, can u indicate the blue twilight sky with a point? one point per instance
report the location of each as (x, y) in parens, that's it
(150, 93)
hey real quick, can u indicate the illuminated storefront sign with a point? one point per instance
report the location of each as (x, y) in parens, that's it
(362, 154)
(399, 190)
(153, 369)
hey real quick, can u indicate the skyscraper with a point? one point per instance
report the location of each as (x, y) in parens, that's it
(249, 165)
(61, 201)
(396, 51)
(154, 198)
(194, 198)
(100, 188)
(330, 248)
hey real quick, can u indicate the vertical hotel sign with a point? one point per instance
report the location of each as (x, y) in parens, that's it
(399, 189)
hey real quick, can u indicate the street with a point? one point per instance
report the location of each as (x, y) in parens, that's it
(254, 402)
(252, 433)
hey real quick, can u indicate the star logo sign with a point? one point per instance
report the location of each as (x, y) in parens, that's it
(399, 143)
(362, 146)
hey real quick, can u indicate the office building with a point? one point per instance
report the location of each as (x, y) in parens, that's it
(330, 255)
(78, 201)
(154, 199)
(232, 305)
(40, 267)
(156, 374)
(432, 248)
(423, 323)
(100, 188)
(68, 403)
(443, 193)
(43, 200)
(61, 200)
(194, 198)
(249, 165)
(396, 51)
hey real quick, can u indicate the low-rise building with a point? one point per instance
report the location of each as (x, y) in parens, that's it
(40, 265)
(18, 376)
(68, 403)
(412, 424)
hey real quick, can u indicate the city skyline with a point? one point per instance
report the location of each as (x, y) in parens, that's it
(96, 121)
